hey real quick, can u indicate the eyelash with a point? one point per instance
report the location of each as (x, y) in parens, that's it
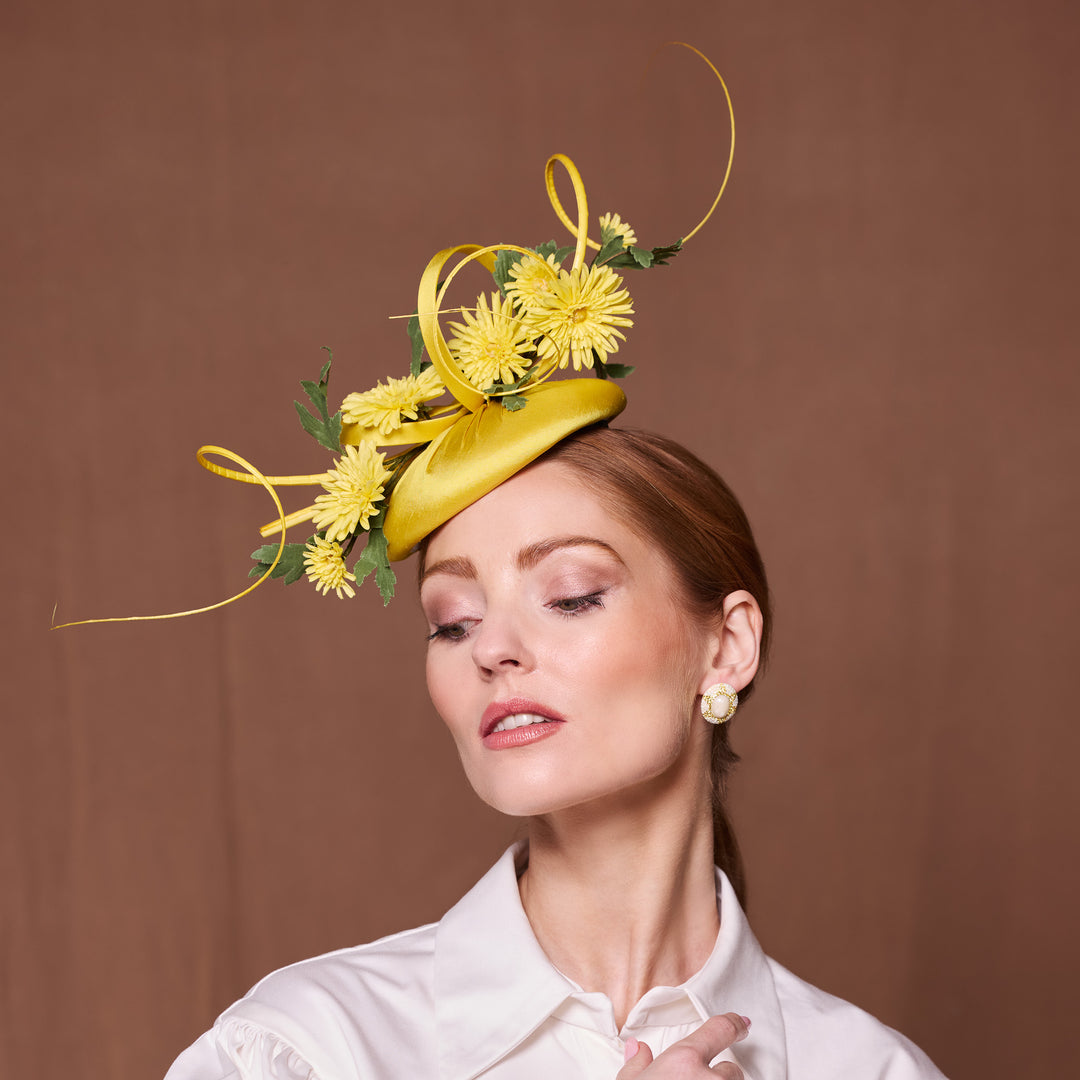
(445, 631)
(581, 604)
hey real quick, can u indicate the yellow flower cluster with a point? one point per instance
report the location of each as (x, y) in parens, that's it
(325, 565)
(490, 346)
(548, 314)
(580, 311)
(352, 489)
(389, 404)
(531, 280)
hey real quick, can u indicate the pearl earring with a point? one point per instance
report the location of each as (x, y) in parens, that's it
(719, 702)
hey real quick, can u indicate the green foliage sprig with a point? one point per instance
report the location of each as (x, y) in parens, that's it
(320, 425)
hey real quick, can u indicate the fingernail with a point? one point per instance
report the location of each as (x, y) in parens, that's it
(630, 1049)
(746, 1021)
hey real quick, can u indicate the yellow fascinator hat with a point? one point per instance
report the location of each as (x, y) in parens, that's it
(408, 459)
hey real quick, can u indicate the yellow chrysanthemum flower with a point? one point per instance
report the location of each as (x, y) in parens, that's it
(531, 281)
(489, 346)
(611, 225)
(353, 488)
(583, 313)
(325, 565)
(387, 405)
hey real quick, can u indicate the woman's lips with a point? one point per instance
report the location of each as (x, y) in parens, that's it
(517, 722)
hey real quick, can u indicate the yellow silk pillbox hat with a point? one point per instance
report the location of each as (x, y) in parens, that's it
(495, 444)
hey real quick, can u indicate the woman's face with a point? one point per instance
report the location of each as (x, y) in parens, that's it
(560, 657)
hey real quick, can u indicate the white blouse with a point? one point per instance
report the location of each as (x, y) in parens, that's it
(474, 995)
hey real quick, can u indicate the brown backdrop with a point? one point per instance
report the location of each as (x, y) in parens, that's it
(872, 340)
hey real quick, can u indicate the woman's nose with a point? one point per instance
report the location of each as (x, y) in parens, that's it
(499, 645)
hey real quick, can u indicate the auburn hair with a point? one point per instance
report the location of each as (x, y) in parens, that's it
(674, 500)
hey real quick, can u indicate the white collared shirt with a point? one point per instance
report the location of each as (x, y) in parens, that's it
(474, 995)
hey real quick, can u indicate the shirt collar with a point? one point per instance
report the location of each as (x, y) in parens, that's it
(737, 978)
(494, 985)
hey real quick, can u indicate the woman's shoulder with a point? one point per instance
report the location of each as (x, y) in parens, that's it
(401, 960)
(821, 1027)
(322, 1017)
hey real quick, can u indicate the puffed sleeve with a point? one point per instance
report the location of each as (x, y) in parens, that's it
(236, 1049)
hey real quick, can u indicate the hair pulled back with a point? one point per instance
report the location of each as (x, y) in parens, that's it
(674, 500)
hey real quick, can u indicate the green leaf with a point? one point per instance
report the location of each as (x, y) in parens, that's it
(316, 394)
(637, 258)
(320, 425)
(560, 253)
(374, 557)
(501, 272)
(290, 566)
(386, 579)
(325, 432)
(610, 371)
(497, 389)
(608, 250)
(417, 339)
(663, 255)
(513, 402)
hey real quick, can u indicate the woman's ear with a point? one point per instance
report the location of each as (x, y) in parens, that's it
(735, 644)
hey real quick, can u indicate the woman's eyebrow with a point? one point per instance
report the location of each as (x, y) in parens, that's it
(456, 566)
(461, 566)
(529, 556)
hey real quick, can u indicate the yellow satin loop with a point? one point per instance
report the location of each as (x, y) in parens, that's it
(580, 231)
(484, 448)
(288, 521)
(258, 479)
(427, 308)
(255, 477)
(731, 118)
(418, 431)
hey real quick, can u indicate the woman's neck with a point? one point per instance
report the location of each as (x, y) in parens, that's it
(623, 897)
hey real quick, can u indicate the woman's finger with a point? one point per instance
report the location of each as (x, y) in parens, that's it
(715, 1035)
(638, 1059)
(690, 1056)
(728, 1070)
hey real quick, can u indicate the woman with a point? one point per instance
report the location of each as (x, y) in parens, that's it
(577, 615)
(595, 606)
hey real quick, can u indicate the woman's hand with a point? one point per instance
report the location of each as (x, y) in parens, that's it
(689, 1057)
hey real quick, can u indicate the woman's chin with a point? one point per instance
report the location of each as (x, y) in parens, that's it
(538, 798)
(525, 804)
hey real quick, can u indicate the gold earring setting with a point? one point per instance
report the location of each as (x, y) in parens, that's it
(719, 702)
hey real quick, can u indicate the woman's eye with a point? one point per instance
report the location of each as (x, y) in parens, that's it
(574, 605)
(454, 631)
